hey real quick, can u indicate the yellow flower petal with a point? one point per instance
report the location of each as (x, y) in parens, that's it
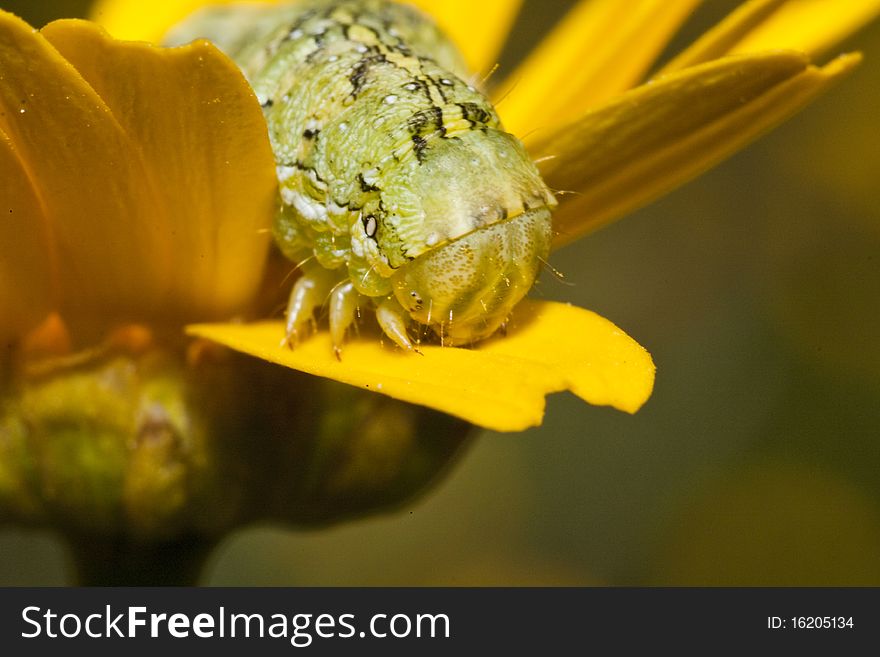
(660, 135)
(77, 157)
(26, 266)
(719, 40)
(813, 26)
(146, 21)
(203, 137)
(477, 28)
(810, 26)
(600, 48)
(131, 240)
(599, 362)
(499, 385)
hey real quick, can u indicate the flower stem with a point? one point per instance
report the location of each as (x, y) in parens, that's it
(120, 562)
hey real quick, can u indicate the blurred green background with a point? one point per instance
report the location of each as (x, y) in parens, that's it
(756, 462)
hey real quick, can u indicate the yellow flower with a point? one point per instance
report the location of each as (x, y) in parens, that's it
(140, 181)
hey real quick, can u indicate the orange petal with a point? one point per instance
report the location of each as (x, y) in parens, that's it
(500, 384)
(601, 48)
(26, 265)
(660, 135)
(810, 26)
(148, 207)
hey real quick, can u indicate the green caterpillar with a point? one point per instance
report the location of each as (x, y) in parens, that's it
(397, 181)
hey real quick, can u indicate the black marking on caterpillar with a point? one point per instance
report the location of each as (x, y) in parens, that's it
(359, 76)
(477, 116)
(365, 186)
(431, 117)
(371, 225)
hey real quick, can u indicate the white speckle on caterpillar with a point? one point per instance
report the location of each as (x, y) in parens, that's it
(316, 182)
(337, 210)
(285, 173)
(371, 177)
(357, 247)
(310, 209)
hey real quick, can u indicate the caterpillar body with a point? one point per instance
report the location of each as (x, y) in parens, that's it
(397, 182)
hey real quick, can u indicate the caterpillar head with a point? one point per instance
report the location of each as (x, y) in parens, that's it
(468, 229)
(466, 289)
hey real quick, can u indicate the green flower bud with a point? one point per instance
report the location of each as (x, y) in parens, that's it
(145, 460)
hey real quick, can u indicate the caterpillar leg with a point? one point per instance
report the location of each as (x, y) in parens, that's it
(393, 320)
(309, 292)
(343, 308)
